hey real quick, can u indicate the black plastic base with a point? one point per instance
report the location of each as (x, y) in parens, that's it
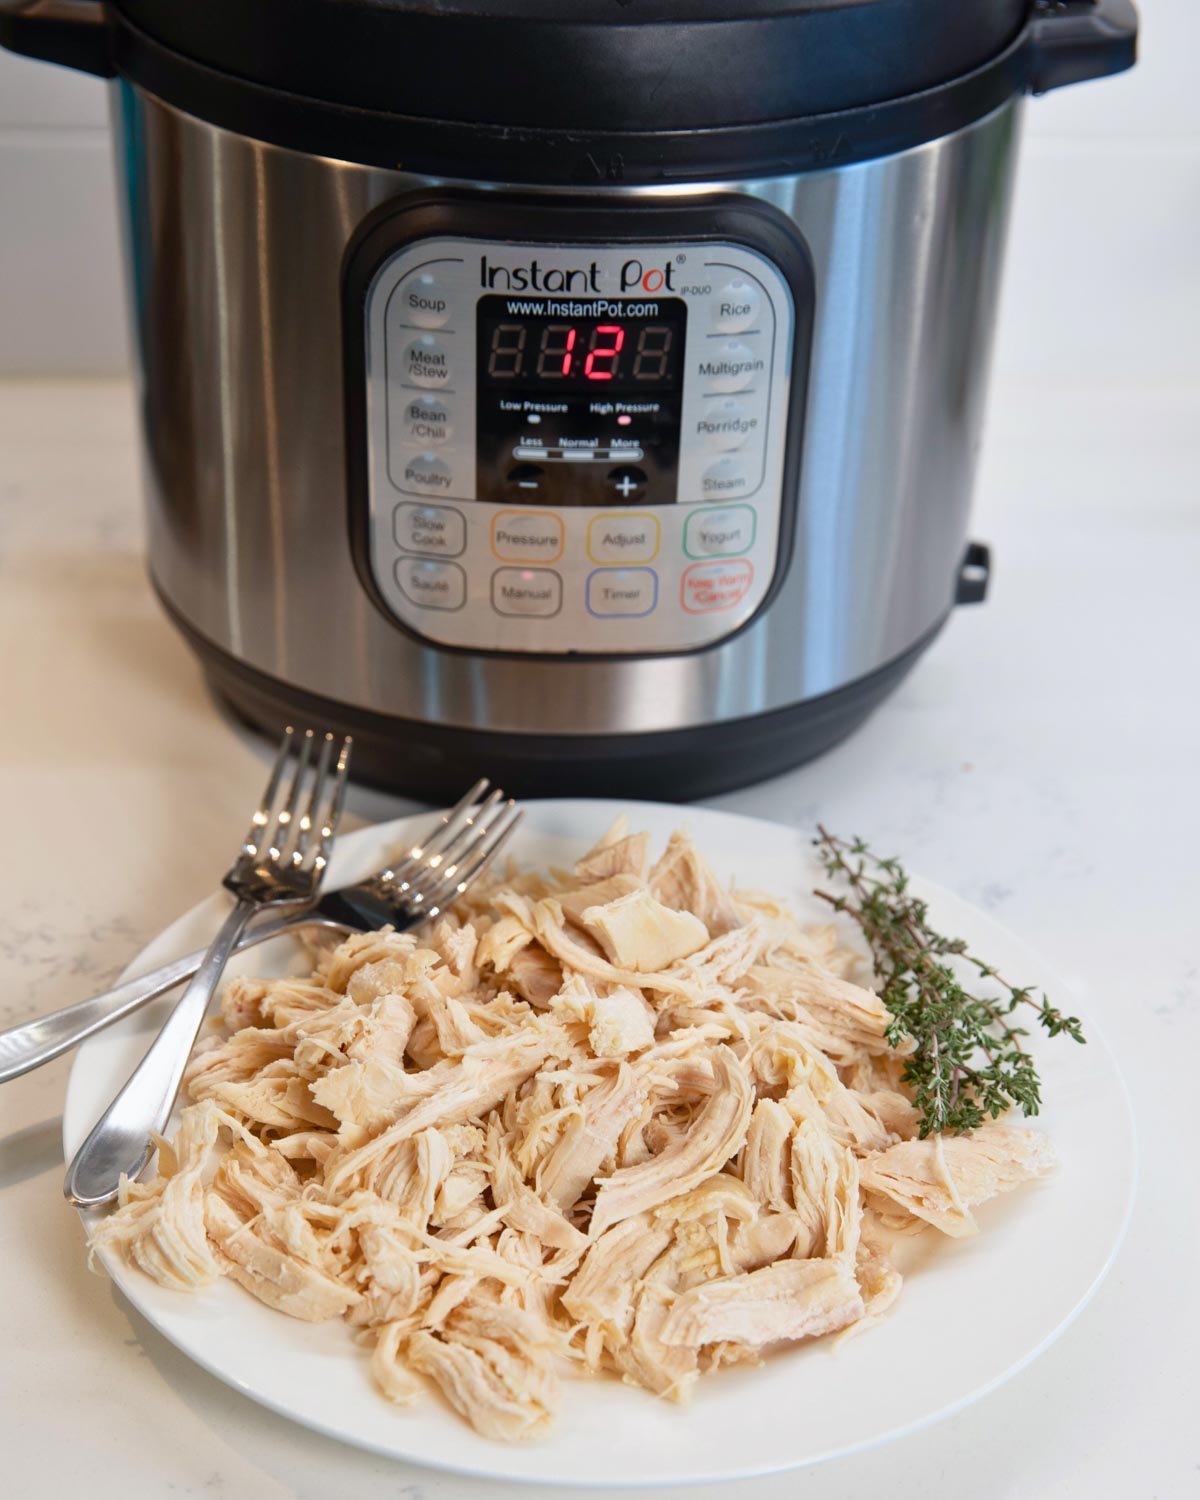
(435, 762)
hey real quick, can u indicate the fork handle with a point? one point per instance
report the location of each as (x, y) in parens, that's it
(38, 1041)
(120, 1141)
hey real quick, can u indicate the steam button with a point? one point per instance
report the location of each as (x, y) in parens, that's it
(725, 478)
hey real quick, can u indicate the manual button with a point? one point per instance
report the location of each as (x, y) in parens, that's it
(432, 585)
(432, 530)
(526, 591)
(723, 532)
(631, 536)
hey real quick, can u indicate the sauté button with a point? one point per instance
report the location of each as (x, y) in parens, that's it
(710, 586)
(432, 530)
(527, 536)
(432, 585)
(426, 420)
(726, 477)
(726, 425)
(729, 366)
(622, 591)
(426, 473)
(425, 361)
(423, 301)
(735, 307)
(526, 591)
(626, 482)
(629, 537)
(719, 532)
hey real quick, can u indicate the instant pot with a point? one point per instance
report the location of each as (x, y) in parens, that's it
(585, 392)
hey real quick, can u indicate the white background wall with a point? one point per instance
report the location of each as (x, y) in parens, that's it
(1104, 273)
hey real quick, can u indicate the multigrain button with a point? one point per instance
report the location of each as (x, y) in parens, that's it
(710, 586)
(732, 365)
(425, 361)
(735, 307)
(630, 537)
(432, 530)
(423, 301)
(526, 591)
(719, 532)
(724, 478)
(426, 473)
(426, 421)
(726, 425)
(432, 585)
(622, 591)
(527, 536)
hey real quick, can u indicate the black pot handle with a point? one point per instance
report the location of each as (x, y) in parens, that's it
(71, 32)
(1071, 41)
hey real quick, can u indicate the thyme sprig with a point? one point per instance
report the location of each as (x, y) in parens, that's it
(968, 1062)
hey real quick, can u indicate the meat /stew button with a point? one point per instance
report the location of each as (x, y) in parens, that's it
(711, 586)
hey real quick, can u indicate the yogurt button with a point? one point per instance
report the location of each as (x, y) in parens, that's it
(736, 306)
(722, 531)
(424, 301)
(425, 361)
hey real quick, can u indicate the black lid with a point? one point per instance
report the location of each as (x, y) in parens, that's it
(609, 65)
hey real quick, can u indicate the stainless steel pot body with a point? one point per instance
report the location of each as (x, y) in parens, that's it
(234, 254)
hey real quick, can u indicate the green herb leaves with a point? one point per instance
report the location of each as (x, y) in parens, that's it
(968, 1062)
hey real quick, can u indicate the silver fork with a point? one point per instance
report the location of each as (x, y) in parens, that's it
(281, 863)
(429, 877)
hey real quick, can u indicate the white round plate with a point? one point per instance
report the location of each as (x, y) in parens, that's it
(972, 1312)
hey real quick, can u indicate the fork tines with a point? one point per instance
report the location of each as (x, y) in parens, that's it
(309, 770)
(465, 841)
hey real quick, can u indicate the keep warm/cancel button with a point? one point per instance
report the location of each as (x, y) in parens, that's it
(716, 585)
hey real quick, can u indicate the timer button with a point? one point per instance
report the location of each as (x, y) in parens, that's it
(426, 421)
(425, 362)
(730, 366)
(726, 425)
(432, 585)
(631, 592)
(626, 483)
(735, 307)
(423, 301)
(724, 478)
(426, 474)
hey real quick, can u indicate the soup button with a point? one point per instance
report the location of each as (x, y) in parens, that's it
(711, 586)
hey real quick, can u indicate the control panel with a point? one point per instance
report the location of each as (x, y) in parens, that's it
(574, 447)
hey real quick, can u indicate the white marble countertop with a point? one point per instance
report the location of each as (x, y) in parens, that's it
(1042, 761)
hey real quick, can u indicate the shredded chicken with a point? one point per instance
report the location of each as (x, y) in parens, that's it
(621, 1120)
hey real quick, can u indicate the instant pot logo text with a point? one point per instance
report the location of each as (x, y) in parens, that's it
(633, 275)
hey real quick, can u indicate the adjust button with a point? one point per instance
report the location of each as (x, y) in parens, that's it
(425, 361)
(730, 366)
(735, 307)
(423, 301)
(630, 536)
(527, 536)
(722, 531)
(427, 474)
(432, 585)
(710, 586)
(526, 591)
(426, 420)
(432, 530)
(728, 476)
(622, 591)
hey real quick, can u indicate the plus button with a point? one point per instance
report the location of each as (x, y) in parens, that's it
(627, 481)
(626, 486)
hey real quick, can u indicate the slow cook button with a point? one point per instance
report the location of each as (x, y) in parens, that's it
(425, 362)
(427, 421)
(730, 366)
(426, 473)
(711, 586)
(720, 532)
(725, 425)
(526, 591)
(432, 585)
(630, 537)
(430, 529)
(724, 478)
(622, 591)
(527, 536)
(423, 301)
(735, 306)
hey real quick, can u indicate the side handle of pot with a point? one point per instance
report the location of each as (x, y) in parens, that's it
(74, 33)
(1071, 41)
